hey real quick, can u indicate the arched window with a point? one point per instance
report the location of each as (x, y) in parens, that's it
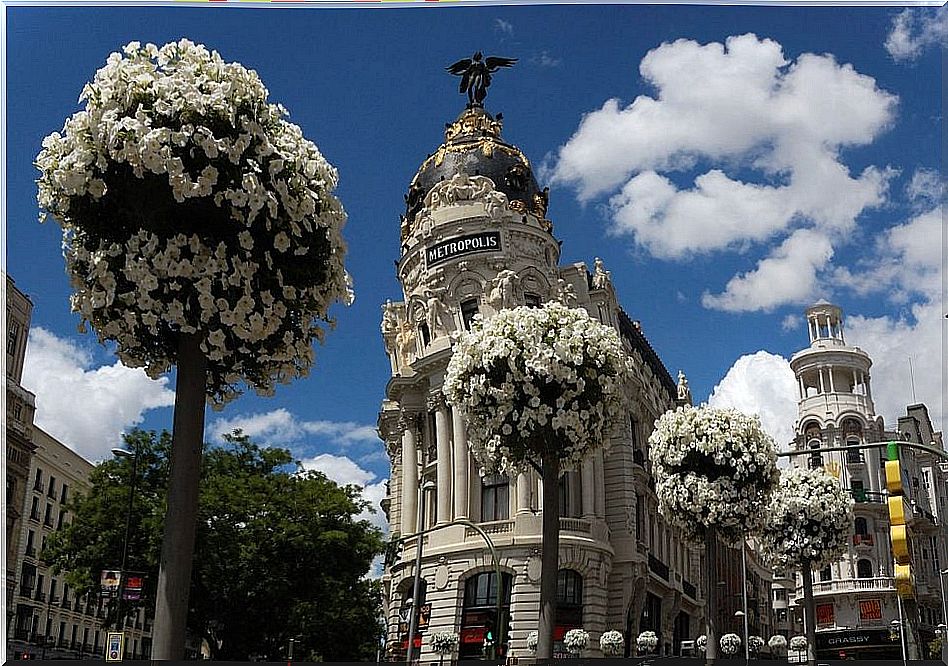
(864, 569)
(425, 334)
(814, 440)
(469, 308)
(861, 527)
(479, 614)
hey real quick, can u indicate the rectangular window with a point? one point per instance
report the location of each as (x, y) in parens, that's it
(34, 509)
(30, 538)
(64, 496)
(563, 495)
(469, 308)
(38, 481)
(13, 334)
(51, 491)
(494, 498)
(18, 410)
(640, 518)
(48, 518)
(531, 300)
(59, 521)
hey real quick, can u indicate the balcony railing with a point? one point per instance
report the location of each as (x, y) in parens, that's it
(575, 525)
(861, 496)
(854, 457)
(862, 540)
(849, 585)
(689, 589)
(658, 567)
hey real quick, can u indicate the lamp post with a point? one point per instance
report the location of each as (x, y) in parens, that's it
(944, 617)
(124, 453)
(416, 592)
(744, 600)
(899, 626)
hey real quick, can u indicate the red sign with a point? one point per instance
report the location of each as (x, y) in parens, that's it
(825, 614)
(870, 609)
(473, 634)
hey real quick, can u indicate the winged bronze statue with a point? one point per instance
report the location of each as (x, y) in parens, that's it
(475, 75)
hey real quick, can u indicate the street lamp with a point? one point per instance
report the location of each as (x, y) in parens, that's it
(897, 627)
(133, 455)
(744, 599)
(416, 592)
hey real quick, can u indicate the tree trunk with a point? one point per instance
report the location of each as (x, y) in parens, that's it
(177, 548)
(809, 614)
(550, 557)
(710, 621)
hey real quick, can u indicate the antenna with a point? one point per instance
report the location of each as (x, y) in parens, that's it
(912, 375)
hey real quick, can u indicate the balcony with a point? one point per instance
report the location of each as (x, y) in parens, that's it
(689, 589)
(863, 496)
(855, 458)
(657, 567)
(882, 584)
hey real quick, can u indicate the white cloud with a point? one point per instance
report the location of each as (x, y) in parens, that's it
(546, 59)
(279, 427)
(762, 384)
(790, 323)
(788, 275)
(739, 107)
(926, 187)
(504, 27)
(86, 407)
(345, 471)
(914, 30)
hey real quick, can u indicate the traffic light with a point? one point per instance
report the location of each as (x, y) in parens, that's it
(898, 530)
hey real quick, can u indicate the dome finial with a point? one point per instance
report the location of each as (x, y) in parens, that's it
(475, 75)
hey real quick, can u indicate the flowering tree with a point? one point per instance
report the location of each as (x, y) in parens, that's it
(540, 387)
(714, 470)
(444, 642)
(777, 643)
(611, 643)
(199, 230)
(755, 643)
(576, 640)
(808, 523)
(730, 644)
(646, 642)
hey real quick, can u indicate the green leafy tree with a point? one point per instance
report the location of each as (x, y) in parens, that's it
(279, 551)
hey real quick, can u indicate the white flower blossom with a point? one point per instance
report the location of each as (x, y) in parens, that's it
(444, 642)
(206, 187)
(808, 520)
(730, 644)
(646, 642)
(611, 643)
(495, 377)
(777, 642)
(714, 470)
(798, 643)
(533, 640)
(576, 640)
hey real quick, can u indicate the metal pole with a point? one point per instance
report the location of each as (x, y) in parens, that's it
(746, 621)
(871, 445)
(416, 592)
(944, 617)
(128, 529)
(902, 629)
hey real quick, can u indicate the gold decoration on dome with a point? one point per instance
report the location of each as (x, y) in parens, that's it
(473, 123)
(518, 206)
(439, 156)
(487, 147)
(547, 225)
(539, 205)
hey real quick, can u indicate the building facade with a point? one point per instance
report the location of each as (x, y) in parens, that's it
(476, 238)
(46, 619)
(856, 601)
(21, 407)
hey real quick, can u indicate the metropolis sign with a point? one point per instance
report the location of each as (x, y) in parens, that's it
(487, 241)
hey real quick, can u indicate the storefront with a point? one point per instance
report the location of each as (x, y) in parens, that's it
(858, 644)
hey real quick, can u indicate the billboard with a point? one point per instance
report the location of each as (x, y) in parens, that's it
(109, 582)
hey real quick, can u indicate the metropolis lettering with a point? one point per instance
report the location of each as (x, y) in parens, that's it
(488, 241)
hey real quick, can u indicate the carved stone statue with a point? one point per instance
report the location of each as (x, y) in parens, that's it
(502, 294)
(433, 312)
(601, 278)
(389, 317)
(475, 75)
(684, 392)
(565, 293)
(405, 342)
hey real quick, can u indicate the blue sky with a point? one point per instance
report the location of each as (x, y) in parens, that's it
(753, 160)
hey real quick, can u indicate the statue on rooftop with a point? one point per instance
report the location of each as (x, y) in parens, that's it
(475, 75)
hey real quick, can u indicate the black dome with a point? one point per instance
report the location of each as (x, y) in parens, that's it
(473, 146)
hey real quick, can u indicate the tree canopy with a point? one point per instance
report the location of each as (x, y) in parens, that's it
(280, 552)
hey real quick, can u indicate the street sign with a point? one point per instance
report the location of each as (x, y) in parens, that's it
(114, 645)
(109, 582)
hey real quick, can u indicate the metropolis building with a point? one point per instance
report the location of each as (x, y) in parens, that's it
(475, 239)
(855, 597)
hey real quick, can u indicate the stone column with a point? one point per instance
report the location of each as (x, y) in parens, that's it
(443, 442)
(600, 485)
(829, 373)
(461, 466)
(523, 492)
(822, 385)
(409, 478)
(589, 489)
